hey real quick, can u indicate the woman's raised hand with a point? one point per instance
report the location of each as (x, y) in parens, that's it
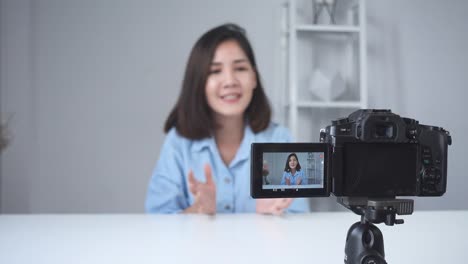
(204, 193)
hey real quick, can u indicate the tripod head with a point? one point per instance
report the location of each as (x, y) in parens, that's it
(364, 241)
(378, 210)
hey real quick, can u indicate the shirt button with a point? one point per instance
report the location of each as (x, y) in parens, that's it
(227, 180)
(227, 207)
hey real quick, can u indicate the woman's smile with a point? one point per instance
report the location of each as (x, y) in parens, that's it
(231, 98)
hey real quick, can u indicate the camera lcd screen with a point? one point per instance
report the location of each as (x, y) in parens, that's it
(383, 170)
(289, 170)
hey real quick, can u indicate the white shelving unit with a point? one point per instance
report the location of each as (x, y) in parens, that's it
(323, 52)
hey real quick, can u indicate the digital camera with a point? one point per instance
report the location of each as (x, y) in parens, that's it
(370, 153)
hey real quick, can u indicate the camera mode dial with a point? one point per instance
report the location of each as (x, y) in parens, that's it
(340, 121)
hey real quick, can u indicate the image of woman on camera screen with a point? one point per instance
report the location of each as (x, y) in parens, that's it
(292, 171)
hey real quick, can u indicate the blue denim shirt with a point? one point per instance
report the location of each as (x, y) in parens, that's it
(293, 178)
(168, 188)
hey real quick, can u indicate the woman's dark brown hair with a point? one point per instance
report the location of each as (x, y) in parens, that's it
(287, 168)
(191, 116)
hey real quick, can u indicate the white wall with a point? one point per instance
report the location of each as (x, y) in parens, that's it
(88, 85)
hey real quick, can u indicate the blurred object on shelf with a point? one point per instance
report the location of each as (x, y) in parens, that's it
(327, 88)
(329, 6)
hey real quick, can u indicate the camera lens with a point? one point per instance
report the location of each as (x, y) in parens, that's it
(383, 131)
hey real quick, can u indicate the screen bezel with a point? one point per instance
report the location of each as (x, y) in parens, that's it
(256, 166)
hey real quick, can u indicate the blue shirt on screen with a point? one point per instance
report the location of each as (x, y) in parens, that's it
(293, 178)
(168, 190)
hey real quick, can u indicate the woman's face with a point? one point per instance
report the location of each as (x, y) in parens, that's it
(292, 162)
(231, 81)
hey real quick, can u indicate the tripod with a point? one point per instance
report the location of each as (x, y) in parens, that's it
(364, 240)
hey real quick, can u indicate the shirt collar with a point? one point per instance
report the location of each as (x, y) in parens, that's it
(243, 152)
(200, 144)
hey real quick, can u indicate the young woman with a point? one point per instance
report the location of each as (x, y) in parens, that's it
(204, 165)
(292, 174)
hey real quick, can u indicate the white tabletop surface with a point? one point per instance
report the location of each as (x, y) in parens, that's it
(426, 237)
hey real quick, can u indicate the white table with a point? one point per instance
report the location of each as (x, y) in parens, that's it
(426, 237)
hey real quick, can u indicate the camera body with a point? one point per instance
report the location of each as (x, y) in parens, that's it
(370, 153)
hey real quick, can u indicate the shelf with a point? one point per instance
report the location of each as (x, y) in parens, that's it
(328, 28)
(332, 104)
(325, 56)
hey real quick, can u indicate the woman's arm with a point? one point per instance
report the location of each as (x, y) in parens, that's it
(167, 190)
(283, 179)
